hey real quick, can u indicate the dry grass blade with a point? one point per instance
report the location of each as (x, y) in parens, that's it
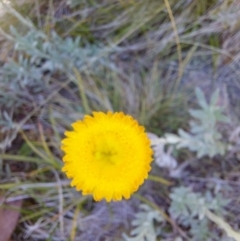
(176, 36)
(223, 225)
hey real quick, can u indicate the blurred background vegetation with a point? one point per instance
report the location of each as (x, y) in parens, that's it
(173, 65)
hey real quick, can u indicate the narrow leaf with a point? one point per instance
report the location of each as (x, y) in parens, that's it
(201, 98)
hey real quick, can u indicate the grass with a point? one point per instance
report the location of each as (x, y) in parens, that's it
(133, 56)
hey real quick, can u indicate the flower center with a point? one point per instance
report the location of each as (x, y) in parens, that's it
(107, 149)
(106, 155)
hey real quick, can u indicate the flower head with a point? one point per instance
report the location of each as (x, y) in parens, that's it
(107, 155)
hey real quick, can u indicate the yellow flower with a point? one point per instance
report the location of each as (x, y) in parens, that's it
(107, 155)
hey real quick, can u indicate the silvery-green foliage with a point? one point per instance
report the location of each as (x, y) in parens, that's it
(38, 57)
(200, 230)
(21, 69)
(6, 121)
(144, 229)
(21, 76)
(7, 129)
(62, 52)
(188, 208)
(187, 204)
(203, 138)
